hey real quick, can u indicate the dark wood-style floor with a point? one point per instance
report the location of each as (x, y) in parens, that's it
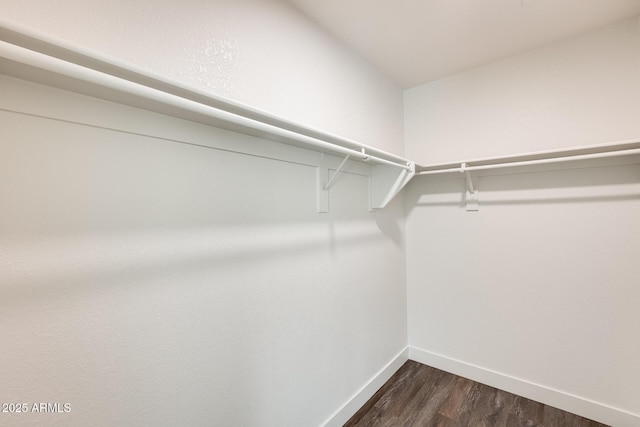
(418, 395)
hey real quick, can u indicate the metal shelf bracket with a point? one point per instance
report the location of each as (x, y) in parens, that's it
(324, 183)
(471, 196)
(335, 174)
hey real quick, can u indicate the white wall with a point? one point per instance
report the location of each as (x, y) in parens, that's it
(585, 90)
(538, 291)
(148, 281)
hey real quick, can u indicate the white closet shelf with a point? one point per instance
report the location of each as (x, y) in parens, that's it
(36, 57)
(600, 151)
(27, 54)
(612, 149)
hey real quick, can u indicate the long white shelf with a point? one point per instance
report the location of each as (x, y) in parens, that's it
(26, 54)
(29, 55)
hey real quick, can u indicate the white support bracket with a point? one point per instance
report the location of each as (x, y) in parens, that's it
(386, 178)
(323, 183)
(471, 196)
(386, 182)
(335, 174)
(322, 194)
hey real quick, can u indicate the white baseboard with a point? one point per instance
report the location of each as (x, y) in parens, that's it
(361, 397)
(578, 405)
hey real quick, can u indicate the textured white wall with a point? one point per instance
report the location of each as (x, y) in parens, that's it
(150, 282)
(541, 284)
(585, 90)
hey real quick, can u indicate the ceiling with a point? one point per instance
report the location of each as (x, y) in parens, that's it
(417, 41)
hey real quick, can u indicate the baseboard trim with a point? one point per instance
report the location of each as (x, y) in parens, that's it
(578, 405)
(361, 397)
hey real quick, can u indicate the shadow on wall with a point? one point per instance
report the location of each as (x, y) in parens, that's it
(581, 182)
(390, 221)
(61, 266)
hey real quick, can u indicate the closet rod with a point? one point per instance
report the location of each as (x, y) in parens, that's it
(56, 56)
(619, 149)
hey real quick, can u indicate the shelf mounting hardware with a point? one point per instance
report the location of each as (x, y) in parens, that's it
(335, 174)
(471, 196)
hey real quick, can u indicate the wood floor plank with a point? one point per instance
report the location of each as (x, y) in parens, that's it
(422, 396)
(459, 396)
(431, 405)
(438, 421)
